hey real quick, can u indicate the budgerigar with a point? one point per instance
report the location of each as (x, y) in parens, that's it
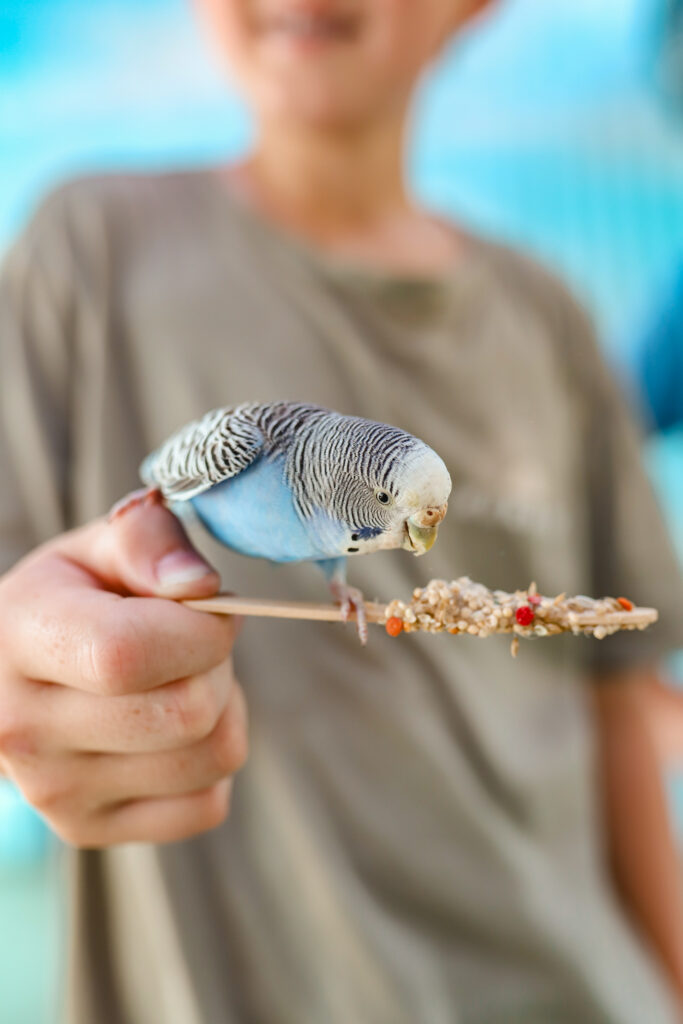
(289, 482)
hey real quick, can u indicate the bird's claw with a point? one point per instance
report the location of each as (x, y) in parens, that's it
(351, 600)
(143, 496)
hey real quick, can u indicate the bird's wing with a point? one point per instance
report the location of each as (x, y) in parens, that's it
(205, 452)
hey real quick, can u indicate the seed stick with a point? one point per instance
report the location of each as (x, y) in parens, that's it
(229, 604)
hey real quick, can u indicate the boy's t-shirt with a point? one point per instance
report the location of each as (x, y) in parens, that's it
(416, 835)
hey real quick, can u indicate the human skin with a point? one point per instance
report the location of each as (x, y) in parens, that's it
(121, 718)
(642, 850)
(331, 108)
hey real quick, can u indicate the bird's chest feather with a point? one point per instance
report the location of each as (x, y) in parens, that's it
(254, 513)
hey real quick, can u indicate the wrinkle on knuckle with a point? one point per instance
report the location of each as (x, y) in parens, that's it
(223, 752)
(192, 707)
(50, 792)
(16, 735)
(231, 744)
(216, 805)
(113, 659)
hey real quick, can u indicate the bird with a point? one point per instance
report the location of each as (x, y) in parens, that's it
(291, 481)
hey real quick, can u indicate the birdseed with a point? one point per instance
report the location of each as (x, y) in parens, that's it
(463, 606)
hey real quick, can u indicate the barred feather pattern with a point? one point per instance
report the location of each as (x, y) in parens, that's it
(335, 462)
(205, 452)
(332, 462)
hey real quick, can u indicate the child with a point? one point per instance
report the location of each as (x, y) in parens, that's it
(421, 832)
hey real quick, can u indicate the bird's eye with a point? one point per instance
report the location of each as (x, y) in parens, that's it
(383, 498)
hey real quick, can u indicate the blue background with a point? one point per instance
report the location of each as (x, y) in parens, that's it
(547, 125)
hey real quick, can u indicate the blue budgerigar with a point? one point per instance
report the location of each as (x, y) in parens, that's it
(289, 482)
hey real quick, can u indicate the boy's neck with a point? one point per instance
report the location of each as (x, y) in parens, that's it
(345, 193)
(327, 182)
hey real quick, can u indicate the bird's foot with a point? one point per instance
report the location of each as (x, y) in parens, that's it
(144, 496)
(351, 600)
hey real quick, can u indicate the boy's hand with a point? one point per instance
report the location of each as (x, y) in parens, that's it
(120, 717)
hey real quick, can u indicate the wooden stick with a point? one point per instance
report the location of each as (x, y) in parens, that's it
(228, 604)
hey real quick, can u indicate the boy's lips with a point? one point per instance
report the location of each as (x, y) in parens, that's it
(307, 23)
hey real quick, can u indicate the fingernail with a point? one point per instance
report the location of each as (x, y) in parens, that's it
(180, 568)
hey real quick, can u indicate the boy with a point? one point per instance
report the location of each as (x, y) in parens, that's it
(417, 834)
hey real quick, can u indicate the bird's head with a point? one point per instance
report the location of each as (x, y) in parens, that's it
(400, 502)
(421, 500)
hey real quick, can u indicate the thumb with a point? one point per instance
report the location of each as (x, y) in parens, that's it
(147, 552)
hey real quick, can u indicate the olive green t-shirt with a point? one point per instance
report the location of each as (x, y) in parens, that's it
(417, 834)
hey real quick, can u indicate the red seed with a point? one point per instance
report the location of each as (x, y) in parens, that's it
(394, 626)
(534, 599)
(524, 615)
(625, 603)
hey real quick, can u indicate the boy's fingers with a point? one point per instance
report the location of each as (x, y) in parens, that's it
(175, 773)
(62, 627)
(159, 820)
(169, 717)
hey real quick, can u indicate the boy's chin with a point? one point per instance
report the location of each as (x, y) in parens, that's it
(319, 106)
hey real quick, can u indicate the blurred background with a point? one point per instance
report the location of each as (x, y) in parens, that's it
(557, 126)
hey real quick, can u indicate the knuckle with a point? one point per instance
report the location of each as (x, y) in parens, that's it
(194, 708)
(113, 660)
(221, 638)
(228, 635)
(230, 743)
(48, 791)
(76, 832)
(240, 748)
(224, 758)
(215, 805)
(241, 728)
(15, 734)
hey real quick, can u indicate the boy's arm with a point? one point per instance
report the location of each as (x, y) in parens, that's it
(629, 553)
(111, 688)
(643, 854)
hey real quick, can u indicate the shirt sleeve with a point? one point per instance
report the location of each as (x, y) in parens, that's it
(36, 313)
(630, 550)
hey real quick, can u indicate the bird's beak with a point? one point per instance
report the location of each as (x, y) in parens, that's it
(422, 528)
